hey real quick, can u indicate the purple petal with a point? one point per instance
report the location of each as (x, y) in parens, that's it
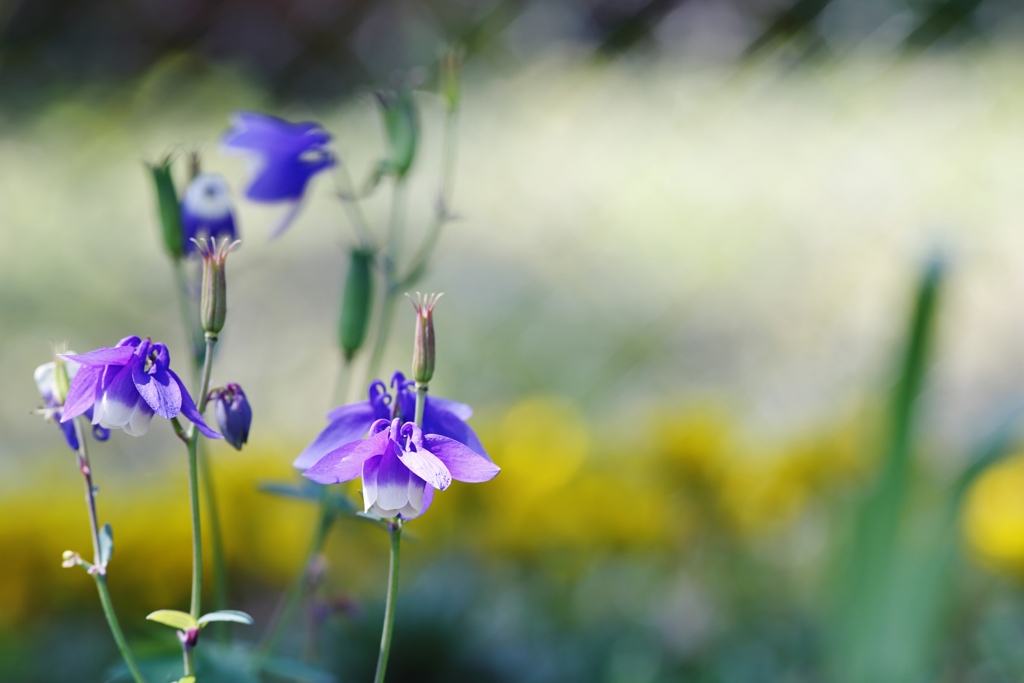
(346, 462)
(417, 488)
(158, 390)
(119, 397)
(438, 419)
(69, 434)
(348, 423)
(82, 393)
(115, 355)
(463, 463)
(370, 469)
(426, 465)
(459, 410)
(188, 409)
(428, 498)
(392, 481)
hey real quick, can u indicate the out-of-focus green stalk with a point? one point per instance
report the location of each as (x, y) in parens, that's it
(100, 577)
(189, 660)
(395, 529)
(272, 638)
(391, 284)
(421, 401)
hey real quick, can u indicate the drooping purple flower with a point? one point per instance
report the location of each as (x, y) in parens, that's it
(206, 211)
(350, 422)
(126, 384)
(234, 415)
(287, 155)
(46, 381)
(401, 467)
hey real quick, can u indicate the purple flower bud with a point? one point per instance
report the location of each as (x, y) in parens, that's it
(189, 638)
(234, 416)
(206, 211)
(423, 345)
(53, 380)
(213, 305)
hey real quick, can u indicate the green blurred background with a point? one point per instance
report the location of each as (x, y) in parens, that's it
(680, 295)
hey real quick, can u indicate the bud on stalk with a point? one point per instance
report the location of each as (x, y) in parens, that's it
(167, 207)
(61, 381)
(449, 75)
(213, 304)
(401, 124)
(423, 346)
(356, 303)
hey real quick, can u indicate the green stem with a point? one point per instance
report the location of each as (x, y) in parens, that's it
(190, 664)
(115, 628)
(291, 601)
(193, 484)
(391, 284)
(395, 529)
(421, 401)
(220, 587)
(101, 578)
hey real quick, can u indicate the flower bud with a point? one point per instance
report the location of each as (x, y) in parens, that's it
(356, 303)
(449, 76)
(167, 207)
(234, 416)
(61, 381)
(213, 304)
(423, 345)
(401, 123)
(70, 559)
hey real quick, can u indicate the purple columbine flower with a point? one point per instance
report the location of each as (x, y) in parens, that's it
(288, 155)
(206, 211)
(126, 384)
(350, 422)
(234, 416)
(401, 467)
(46, 381)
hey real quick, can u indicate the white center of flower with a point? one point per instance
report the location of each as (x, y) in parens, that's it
(207, 197)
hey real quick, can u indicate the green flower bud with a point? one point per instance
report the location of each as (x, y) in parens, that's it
(168, 207)
(356, 302)
(423, 343)
(401, 123)
(61, 381)
(213, 303)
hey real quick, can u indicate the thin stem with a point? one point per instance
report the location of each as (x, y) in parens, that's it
(193, 485)
(100, 577)
(276, 632)
(190, 664)
(442, 214)
(187, 318)
(421, 400)
(115, 628)
(395, 529)
(391, 288)
(220, 587)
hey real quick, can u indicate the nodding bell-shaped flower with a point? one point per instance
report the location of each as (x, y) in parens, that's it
(206, 211)
(53, 379)
(286, 155)
(401, 468)
(350, 422)
(125, 385)
(234, 416)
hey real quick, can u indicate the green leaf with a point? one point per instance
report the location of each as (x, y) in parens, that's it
(106, 544)
(302, 492)
(174, 619)
(226, 615)
(168, 208)
(187, 679)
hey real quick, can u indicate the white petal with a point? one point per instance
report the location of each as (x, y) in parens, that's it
(115, 413)
(207, 197)
(381, 512)
(45, 380)
(138, 425)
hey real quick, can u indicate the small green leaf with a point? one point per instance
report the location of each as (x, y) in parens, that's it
(174, 619)
(226, 615)
(106, 544)
(187, 679)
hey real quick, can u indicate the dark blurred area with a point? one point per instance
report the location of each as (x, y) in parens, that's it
(322, 49)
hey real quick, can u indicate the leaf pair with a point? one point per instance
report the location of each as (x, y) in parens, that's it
(186, 622)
